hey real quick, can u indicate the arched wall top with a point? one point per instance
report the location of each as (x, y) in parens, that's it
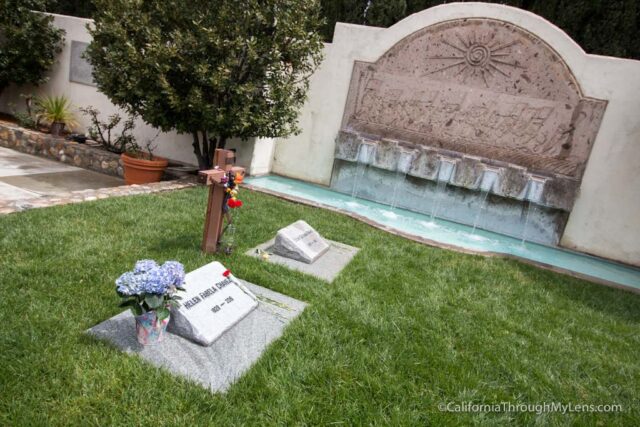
(483, 87)
(383, 39)
(520, 17)
(484, 53)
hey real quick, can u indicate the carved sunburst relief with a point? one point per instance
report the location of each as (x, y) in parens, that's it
(475, 57)
(480, 87)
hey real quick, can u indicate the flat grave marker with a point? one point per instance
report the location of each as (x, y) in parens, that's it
(301, 242)
(217, 366)
(299, 247)
(211, 304)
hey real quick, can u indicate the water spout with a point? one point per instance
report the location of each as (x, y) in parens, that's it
(533, 195)
(483, 203)
(446, 166)
(366, 152)
(531, 207)
(489, 179)
(405, 159)
(535, 189)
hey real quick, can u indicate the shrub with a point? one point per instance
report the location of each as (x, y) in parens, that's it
(212, 69)
(29, 43)
(105, 132)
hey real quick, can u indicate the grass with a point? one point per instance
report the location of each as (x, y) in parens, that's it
(404, 327)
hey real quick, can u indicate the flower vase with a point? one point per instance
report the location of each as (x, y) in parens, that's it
(149, 330)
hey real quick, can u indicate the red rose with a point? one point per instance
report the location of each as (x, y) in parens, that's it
(234, 203)
(226, 273)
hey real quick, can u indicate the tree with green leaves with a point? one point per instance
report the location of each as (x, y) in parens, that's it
(351, 11)
(385, 13)
(80, 8)
(215, 69)
(29, 43)
(602, 27)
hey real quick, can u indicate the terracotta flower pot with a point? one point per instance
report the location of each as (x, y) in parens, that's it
(150, 330)
(142, 171)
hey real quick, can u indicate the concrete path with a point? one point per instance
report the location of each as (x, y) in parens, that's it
(26, 177)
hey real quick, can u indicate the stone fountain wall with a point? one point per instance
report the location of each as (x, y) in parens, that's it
(489, 195)
(602, 172)
(484, 108)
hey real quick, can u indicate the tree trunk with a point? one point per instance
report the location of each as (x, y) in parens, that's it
(205, 148)
(202, 161)
(211, 147)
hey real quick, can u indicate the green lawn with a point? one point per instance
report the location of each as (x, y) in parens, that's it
(404, 327)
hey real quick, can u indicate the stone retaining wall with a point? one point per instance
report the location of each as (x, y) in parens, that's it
(56, 148)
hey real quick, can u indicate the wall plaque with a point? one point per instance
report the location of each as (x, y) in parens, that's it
(80, 71)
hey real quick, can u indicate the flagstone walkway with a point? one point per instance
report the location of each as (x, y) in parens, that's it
(28, 182)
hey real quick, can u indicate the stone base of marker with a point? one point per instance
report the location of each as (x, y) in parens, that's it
(217, 366)
(326, 268)
(300, 247)
(301, 242)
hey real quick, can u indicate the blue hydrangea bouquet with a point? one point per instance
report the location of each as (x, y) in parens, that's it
(149, 291)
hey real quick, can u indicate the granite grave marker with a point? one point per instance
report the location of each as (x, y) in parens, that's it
(211, 305)
(217, 366)
(301, 242)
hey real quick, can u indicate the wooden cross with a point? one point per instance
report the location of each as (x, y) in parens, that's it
(223, 163)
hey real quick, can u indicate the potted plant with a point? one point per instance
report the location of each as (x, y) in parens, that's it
(150, 290)
(56, 111)
(105, 132)
(141, 166)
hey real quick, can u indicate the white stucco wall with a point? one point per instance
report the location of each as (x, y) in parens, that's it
(255, 155)
(606, 218)
(172, 145)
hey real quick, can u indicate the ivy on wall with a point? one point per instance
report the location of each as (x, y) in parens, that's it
(604, 27)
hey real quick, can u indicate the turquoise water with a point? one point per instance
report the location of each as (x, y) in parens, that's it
(451, 233)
